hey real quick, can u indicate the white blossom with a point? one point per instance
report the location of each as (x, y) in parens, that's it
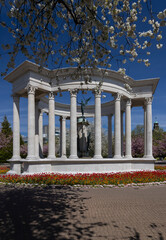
(144, 19)
(83, 33)
(161, 15)
(147, 63)
(159, 45)
(139, 60)
(159, 37)
(122, 71)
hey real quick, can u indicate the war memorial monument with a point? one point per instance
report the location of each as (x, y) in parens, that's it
(41, 87)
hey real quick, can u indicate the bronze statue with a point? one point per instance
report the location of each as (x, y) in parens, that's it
(83, 105)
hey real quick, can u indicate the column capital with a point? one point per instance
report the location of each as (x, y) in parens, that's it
(62, 118)
(128, 102)
(41, 112)
(97, 92)
(16, 97)
(148, 100)
(51, 96)
(31, 89)
(117, 96)
(73, 92)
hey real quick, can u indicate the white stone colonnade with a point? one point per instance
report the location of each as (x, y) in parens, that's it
(124, 99)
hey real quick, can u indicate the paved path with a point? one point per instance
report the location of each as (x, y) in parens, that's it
(32, 213)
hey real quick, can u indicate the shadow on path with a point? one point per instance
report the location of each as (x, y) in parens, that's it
(31, 213)
(133, 234)
(64, 212)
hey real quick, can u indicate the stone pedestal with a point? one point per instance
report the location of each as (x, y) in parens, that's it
(82, 137)
(84, 165)
(15, 167)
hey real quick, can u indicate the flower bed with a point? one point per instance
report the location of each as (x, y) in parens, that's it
(4, 169)
(88, 179)
(160, 167)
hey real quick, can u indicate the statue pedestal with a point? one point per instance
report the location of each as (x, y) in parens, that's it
(82, 137)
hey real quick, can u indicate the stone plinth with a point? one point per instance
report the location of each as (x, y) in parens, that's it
(82, 137)
(73, 166)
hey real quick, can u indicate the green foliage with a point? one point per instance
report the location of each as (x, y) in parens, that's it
(138, 131)
(6, 143)
(6, 127)
(6, 153)
(158, 134)
(21, 140)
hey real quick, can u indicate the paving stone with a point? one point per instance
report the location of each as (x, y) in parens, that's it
(59, 213)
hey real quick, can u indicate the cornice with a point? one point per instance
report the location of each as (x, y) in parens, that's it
(64, 72)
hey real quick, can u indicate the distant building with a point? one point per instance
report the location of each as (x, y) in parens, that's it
(45, 132)
(25, 139)
(156, 126)
(57, 131)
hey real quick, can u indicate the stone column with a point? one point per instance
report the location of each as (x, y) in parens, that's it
(16, 128)
(37, 129)
(128, 129)
(63, 137)
(122, 133)
(110, 136)
(98, 145)
(51, 125)
(15, 164)
(117, 126)
(41, 133)
(149, 153)
(60, 140)
(145, 130)
(31, 122)
(73, 124)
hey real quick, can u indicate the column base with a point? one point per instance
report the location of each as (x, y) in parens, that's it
(31, 157)
(117, 157)
(149, 157)
(97, 157)
(128, 157)
(73, 157)
(63, 157)
(51, 157)
(15, 158)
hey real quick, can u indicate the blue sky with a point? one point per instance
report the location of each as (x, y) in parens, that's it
(135, 70)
